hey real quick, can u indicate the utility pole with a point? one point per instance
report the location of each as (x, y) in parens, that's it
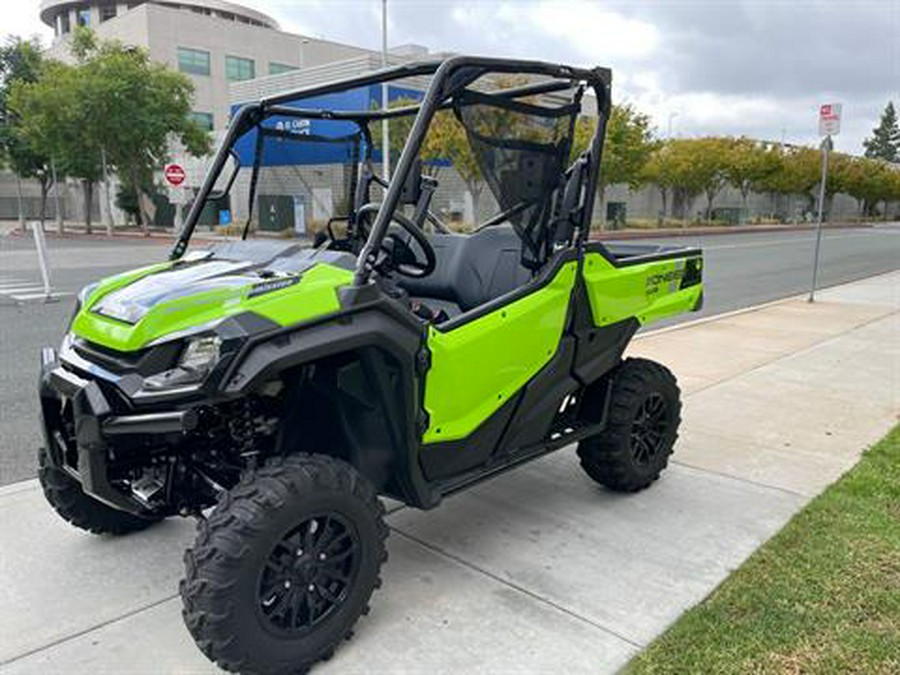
(672, 116)
(107, 199)
(385, 131)
(19, 202)
(59, 214)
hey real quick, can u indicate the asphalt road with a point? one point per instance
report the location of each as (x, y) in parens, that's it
(740, 270)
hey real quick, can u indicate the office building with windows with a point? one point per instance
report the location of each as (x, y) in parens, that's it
(215, 43)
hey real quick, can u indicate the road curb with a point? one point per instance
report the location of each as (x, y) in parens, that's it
(158, 237)
(723, 230)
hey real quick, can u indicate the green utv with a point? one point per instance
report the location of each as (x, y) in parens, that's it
(275, 390)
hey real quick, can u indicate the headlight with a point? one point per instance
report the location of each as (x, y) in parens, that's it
(197, 359)
(85, 293)
(82, 298)
(201, 353)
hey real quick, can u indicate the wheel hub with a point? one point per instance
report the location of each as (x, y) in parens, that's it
(308, 574)
(648, 429)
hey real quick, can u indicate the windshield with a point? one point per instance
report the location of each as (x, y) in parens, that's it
(293, 176)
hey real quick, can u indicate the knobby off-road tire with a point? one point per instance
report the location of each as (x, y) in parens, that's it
(81, 510)
(284, 566)
(642, 426)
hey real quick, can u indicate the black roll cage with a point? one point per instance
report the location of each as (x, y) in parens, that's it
(450, 76)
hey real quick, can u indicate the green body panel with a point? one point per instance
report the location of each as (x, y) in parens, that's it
(647, 291)
(314, 295)
(477, 367)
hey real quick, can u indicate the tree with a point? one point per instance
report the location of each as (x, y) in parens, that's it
(711, 158)
(55, 113)
(885, 140)
(800, 173)
(672, 168)
(749, 165)
(447, 139)
(659, 171)
(398, 128)
(628, 145)
(21, 62)
(868, 181)
(892, 193)
(136, 109)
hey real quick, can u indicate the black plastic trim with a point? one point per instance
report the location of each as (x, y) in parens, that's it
(669, 253)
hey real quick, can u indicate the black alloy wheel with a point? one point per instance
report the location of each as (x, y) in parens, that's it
(284, 566)
(644, 412)
(308, 574)
(648, 430)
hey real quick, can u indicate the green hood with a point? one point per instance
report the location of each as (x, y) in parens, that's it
(281, 282)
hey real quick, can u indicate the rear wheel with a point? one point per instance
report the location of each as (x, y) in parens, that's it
(642, 426)
(284, 566)
(81, 510)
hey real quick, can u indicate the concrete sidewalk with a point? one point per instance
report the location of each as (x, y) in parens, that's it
(539, 570)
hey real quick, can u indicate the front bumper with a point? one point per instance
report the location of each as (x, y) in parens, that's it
(79, 424)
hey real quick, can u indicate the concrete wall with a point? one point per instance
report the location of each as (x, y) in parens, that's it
(71, 200)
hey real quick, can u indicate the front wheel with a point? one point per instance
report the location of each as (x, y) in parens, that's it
(642, 426)
(69, 500)
(284, 566)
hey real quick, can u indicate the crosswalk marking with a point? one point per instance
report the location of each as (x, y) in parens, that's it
(23, 290)
(12, 290)
(39, 296)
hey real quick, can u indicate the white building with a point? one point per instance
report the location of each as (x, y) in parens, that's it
(214, 42)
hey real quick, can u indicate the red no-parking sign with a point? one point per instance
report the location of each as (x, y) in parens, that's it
(830, 119)
(174, 174)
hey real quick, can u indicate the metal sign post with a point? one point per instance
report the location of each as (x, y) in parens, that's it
(41, 246)
(829, 125)
(175, 177)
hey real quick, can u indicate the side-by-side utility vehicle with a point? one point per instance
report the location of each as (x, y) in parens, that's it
(275, 389)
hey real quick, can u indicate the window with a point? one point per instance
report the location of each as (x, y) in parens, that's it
(204, 119)
(83, 17)
(237, 69)
(193, 61)
(278, 68)
(107, 12)
(64, 25)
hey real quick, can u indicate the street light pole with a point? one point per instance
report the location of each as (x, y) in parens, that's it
(672, 115)
(385, 132)
(826, 148)
(106, 195)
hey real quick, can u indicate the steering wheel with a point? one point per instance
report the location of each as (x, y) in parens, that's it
(408, 268)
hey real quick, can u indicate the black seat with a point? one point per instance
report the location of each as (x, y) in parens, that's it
(472, 269)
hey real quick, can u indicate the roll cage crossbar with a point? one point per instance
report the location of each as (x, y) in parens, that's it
(449, 77)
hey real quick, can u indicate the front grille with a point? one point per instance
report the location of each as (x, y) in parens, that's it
(149, 361)
(108, 359)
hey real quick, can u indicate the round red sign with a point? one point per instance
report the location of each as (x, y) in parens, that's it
(174, 174)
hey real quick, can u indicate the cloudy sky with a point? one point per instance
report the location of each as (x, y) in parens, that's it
(753, 67)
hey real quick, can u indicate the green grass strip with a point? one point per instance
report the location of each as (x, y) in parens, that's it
(822, 596)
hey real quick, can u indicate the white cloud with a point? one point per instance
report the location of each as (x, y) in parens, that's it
(598, 35)
(749, 67)
(21, 18)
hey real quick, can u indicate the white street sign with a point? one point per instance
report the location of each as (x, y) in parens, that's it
(830, 119)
